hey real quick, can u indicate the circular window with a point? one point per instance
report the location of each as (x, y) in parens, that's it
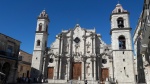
(76, 40)
(104, 61)
(51, 60)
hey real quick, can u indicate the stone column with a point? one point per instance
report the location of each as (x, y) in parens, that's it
(93, 56)
(60, 68)
(56, 69)
(94, 61)
(68, 70)
(69, 46)
(83, 70)
(84, 59)
(98, 70)
(93, 43)
(60, 54)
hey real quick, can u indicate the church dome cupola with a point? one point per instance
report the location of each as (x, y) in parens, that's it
(43, 15)
(119, 9)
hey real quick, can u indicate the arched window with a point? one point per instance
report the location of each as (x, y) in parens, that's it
(122, 42)
(40, 27)
(38, 42)
(119, 10)
(120, 22)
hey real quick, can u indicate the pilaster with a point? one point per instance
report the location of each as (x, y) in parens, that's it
(93, 59)
(56, 69)
(60, 68)
(68, 69)
(83, 67)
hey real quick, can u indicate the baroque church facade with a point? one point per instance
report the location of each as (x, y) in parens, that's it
(79, 55)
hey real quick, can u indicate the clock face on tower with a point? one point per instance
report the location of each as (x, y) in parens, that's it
(76, 40)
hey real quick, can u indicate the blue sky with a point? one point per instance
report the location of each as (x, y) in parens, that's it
(18, 18)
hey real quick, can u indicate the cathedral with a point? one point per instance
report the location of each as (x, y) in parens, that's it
(80, 56)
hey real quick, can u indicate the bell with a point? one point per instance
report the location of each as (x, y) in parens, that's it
(120, 24)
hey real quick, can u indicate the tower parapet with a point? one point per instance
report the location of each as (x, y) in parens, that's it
(43, 15)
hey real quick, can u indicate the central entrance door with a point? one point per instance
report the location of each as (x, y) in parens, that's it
(50, 72)
(76, 70)
(104, 75)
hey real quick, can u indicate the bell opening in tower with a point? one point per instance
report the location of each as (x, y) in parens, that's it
(120, 22)
(122, 41)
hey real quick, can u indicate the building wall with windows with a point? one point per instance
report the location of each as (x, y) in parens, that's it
(141, 40)
(9, 50)
(24, 66)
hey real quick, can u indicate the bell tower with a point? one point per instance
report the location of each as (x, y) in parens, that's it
(40, 45)
(122, 46)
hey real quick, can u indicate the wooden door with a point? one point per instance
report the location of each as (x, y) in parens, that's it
(76, 70)
(104, 74)
(50, 72)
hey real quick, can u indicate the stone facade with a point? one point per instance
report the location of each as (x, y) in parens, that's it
(76, 55)
(122, 46)
(79, 55)
(142, 44)
(9, 50)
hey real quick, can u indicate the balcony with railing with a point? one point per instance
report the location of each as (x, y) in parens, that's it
(8, 55)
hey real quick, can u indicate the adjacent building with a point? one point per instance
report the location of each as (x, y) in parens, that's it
(9, 50)
(24, 64)
(80, 55)
(141, 40)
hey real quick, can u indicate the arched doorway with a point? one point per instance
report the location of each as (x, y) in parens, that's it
(122, 42)
(5, 70)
